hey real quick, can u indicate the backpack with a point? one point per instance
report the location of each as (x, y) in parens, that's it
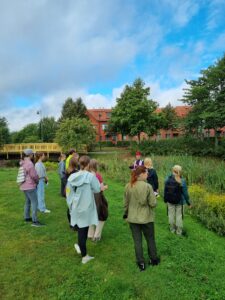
(172, 191)
(21, 176)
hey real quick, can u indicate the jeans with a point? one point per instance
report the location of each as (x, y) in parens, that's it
(82, 239)
(41, 194)
(31, 201)
(148, 231)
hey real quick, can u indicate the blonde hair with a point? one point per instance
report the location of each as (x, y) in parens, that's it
(148, 162)
(177, 170)
(93, 166)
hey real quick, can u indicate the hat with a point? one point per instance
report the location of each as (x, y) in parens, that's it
(138, 153)
(28, 152)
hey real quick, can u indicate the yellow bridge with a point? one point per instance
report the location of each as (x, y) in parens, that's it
(47, 148)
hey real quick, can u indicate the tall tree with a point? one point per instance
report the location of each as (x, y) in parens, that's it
(74, 132)
(134, 112)
(169, 118)
(4, 131)
(47, 128)
(207, 96)
(72, 109)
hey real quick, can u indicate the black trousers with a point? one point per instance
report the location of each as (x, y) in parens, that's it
(149, 234)
(82, 239)
(63, 186)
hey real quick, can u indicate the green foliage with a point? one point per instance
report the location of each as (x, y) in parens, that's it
(169, 118)
(207, 96)
(47, 129)
(4, 132)
(73, 109)
(134, 112)
(29, 134)
(74, 132)
(183, 146)
(209, 209)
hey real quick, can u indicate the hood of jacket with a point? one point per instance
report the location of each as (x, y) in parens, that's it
(79, 178)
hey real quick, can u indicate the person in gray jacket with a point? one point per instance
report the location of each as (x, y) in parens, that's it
(80, 190)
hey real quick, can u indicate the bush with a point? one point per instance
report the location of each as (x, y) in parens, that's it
(182, 145)
(208, 208)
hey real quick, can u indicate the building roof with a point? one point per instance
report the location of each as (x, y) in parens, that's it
(181, 111)
(100, 114)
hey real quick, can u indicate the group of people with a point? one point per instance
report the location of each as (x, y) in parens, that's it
(83, 187)
(140, 201)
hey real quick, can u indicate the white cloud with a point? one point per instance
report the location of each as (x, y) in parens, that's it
(165, 96)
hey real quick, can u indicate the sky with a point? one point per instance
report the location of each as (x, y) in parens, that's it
(55, 49)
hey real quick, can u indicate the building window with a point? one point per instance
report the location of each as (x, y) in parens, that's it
(104, 126)
(124, 138)
(108, 114)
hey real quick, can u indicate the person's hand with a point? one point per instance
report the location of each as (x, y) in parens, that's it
(190, 206)
(105, 187)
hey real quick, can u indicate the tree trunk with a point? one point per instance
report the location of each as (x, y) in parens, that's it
(139, 138)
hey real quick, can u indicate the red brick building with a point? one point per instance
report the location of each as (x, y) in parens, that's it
(100, 118)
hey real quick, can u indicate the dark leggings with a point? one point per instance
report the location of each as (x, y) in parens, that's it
(82, 238)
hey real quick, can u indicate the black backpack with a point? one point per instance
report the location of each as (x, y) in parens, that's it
(172, 191)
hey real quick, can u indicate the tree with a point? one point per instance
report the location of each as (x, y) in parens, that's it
(169, 118)
(207, 97)
(73, 109)
(4, 132)
(134, 112)
(47, 128)
(29, 134)
(74, 132)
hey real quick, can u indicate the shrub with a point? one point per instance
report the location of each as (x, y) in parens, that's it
(208, 208)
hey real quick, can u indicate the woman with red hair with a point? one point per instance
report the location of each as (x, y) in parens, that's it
(139, 204)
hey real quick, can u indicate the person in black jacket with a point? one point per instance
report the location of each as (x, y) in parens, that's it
(152, 175)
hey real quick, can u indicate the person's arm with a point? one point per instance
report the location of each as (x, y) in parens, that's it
(185, 192)
(151, 197)
(156, 181)
(126, 202)
(95, 185)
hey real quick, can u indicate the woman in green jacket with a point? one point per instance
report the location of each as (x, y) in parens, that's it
(139, 204)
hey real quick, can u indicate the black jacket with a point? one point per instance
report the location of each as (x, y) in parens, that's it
(153, 179)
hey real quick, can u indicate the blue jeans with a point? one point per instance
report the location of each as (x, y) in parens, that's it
(41, 194)
(31, 201)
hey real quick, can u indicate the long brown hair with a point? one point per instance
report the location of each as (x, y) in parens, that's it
(73, 165)
(135, 173)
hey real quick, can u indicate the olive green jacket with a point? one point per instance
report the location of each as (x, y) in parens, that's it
(139, 202)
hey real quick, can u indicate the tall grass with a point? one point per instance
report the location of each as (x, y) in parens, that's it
(209, 173)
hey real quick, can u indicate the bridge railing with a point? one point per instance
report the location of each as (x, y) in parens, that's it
(36, 147)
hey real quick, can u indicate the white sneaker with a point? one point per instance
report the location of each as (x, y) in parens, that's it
(77, 248)
(86, 259)
(47, 211)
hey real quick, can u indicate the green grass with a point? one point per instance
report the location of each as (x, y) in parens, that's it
(40, 263)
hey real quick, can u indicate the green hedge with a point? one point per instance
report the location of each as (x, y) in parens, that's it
(180, 146)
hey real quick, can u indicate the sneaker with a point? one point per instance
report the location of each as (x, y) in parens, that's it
(46, 211)
(28, 220)
(37, 224)
(141, 266)
(77, 248)
(86, 259)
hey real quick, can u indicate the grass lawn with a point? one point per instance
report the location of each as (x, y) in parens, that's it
(40, 263)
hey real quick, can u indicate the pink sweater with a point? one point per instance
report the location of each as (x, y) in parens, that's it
(31, 180)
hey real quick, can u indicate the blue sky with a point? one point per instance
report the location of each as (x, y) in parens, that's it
(93, 48)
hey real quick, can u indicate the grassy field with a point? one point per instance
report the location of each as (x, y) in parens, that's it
(40, 263)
